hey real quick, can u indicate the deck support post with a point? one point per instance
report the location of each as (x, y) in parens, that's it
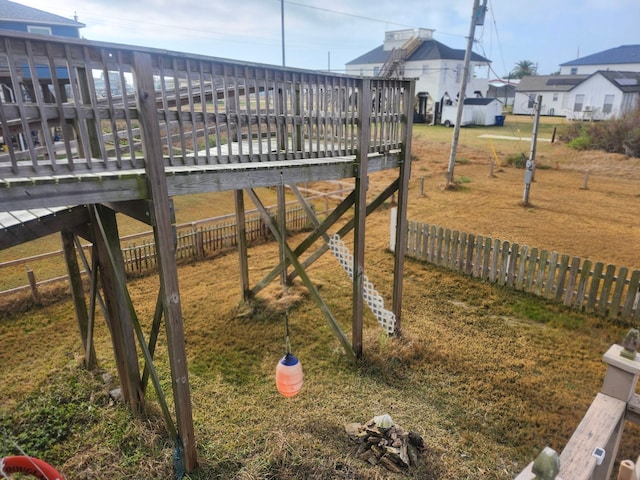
(403, 198)
(79, 301)
(241, 232)
(360, 216)
(165, 243)
(118, 315)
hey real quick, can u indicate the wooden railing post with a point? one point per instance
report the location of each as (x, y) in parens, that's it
(620, 382)
(165, 248)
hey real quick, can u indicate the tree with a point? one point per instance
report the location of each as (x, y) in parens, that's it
(524, 68)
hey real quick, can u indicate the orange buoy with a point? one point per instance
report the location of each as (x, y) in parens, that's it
(289, 376)
(29, 466)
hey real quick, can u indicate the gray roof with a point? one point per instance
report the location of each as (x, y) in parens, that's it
(627, 82)
(480, 101)
(428, 50)
(14, 12)
(549, 83)
(622, 54)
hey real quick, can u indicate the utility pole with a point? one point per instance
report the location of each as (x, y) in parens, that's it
(530, 170)
(477, 18)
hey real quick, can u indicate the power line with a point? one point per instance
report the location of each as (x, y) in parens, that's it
(353, 15)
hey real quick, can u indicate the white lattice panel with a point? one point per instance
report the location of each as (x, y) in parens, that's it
(371, 297)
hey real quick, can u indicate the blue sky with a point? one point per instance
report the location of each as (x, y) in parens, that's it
(322, 34)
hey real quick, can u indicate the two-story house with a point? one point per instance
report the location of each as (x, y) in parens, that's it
(437, 68)
(14, 16)
(17, 17)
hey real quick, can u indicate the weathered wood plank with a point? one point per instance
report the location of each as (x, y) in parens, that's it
(439, 242)
(522, 267)
(598, 425)
(571, 281)
(531, 270)
(632, 295)
(551, 275)
(621, 278)
(585, 271)
(596, 276)
(540, 275)
(444, 261)
(477, 259)
(432, 244)
(513, 262)
(504, 263)
(468, 268)
(562, 275)
(486, 257)
(606, 289)
(495, 259)
(453, 255)
(462, 249)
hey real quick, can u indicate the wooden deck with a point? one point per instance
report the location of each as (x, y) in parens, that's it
(167, 124)
(223, 124)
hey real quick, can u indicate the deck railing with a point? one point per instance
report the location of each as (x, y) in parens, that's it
(69, 106)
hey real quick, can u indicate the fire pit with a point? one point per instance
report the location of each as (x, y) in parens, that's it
(382, 442)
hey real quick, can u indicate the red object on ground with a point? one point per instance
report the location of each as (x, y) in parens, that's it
(29, 466)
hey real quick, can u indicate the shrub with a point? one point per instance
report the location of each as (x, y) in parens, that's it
(581, 143)
(618, 135)
(517, 160)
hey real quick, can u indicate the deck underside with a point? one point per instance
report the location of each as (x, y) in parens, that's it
(37, 206)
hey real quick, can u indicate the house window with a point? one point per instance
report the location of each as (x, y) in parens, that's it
(376, 71)
(458, 73)
(574, 70)
(555, 97)
(39, 30)
(532, 101)
(577, 106)
(425, 69)
(607, 107)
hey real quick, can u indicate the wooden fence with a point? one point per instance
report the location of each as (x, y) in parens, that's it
(194, 240)
(603, 290)
(201, 239)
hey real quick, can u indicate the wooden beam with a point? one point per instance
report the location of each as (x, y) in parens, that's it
(118, 315)
(307, 242)
(361, 186)
(163, 233)
(347, 227)
(77, 294)
(243, 255)
(46, 225)
(403, 200)
(313, 291)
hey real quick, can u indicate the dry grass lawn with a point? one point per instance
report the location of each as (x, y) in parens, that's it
(486, 375)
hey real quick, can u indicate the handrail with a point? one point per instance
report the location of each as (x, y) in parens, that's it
(82, 95)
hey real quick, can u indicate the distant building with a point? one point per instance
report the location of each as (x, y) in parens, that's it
(600, 86)
(437, 68)
(504, 89)
(14, 16)
(624, 58)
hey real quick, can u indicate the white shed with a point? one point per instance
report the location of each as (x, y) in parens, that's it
(476, 111)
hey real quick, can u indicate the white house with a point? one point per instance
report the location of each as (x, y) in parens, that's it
(436, 67)
(599, 96)
(625, 58)
(596, 87)
(554, 90)
(604, 95)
